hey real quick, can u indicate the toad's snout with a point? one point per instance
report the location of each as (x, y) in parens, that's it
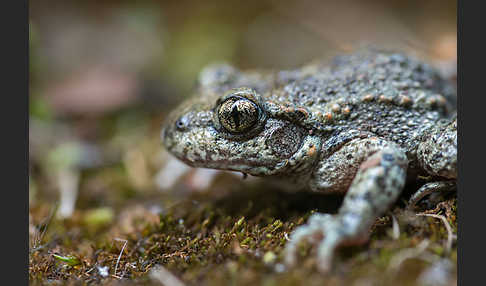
(171, 127)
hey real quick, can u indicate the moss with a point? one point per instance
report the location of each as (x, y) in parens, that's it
(203, 242)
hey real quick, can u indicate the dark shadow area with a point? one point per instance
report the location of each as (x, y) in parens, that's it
(276, 203)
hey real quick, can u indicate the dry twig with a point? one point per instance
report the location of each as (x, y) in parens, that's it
(121, 251)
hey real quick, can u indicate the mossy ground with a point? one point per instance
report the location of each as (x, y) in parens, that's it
(235, 237)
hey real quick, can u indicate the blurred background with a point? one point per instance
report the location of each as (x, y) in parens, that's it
(104, 74)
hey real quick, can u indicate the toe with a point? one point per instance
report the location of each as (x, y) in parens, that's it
(325, 252)
(301, 233)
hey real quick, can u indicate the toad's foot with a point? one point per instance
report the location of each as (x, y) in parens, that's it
(430, 188)
(375, 187)
(327, 232)
(437, 154)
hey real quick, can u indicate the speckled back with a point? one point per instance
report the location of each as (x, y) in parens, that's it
(390, 95)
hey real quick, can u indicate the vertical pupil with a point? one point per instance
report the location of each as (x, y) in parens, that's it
(235, 114)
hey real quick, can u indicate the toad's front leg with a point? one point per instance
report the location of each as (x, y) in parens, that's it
(378, 181)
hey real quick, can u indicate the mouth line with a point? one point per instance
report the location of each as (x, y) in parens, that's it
(249, 167)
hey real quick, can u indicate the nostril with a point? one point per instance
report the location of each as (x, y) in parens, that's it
(182, 123)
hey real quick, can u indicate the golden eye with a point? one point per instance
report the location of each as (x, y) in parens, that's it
(237, 114)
